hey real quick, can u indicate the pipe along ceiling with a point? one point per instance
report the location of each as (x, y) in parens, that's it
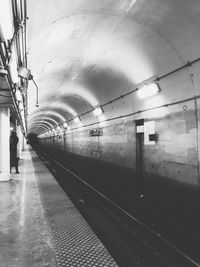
(86, 54)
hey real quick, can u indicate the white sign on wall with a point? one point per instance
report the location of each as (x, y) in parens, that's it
(149, 128)
(140, 129)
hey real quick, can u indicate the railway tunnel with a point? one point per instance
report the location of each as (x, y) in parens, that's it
(104, 98)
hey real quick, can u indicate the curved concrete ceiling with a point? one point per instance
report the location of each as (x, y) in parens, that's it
(84, 53)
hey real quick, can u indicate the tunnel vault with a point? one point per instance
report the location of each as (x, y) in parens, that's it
(90, 54)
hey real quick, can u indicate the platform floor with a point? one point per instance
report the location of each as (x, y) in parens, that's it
(39, 225)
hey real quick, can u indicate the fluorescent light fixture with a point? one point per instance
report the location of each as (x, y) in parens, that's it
(6, 21)
(98, 111)
(13, 67)
(19, 13)
(18, 96)
(77, 119)
(21, 107)
(65, 125)
(148, 90)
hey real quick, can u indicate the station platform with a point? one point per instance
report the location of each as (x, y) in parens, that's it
(40, 226)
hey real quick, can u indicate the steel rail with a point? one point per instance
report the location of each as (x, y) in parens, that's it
(146, 227)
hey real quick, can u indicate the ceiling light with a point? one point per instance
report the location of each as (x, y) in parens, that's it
(18, 95)
(21, 106)
(65, 125)
(6, 21)
(98, 111)
(19, 10)
(58, 128)
(77, 119)
(148, 90)
(13, 68)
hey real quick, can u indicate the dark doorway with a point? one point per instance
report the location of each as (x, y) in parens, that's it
(139, 159)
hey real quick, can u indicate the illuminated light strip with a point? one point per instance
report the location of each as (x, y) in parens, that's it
(41, 130)
(47, 112)
(21, 106)
(18, 95)
(6, 21)
(62, 106)
(48, 119)
(40, 127)
(41, 123)
(12, 65)
(57, 106)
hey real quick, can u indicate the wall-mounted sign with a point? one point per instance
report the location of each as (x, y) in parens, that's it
(96, 132)
(149, 133)
(140, 129)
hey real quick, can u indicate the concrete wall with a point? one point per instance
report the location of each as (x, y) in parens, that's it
(117, 145)
(174, 156)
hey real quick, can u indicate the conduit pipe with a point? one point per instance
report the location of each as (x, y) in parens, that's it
(188, 64)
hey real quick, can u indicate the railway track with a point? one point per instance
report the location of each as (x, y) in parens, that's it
(131, 241)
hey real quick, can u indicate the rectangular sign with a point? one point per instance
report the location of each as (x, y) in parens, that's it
(149, 130)
(96, 132)
(140, 129)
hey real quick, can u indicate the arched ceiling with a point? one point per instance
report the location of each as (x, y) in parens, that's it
(84, 53)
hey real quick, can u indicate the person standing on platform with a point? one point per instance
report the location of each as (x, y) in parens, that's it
(13, 151)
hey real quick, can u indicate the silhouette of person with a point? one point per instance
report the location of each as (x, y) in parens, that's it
(13, 151)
